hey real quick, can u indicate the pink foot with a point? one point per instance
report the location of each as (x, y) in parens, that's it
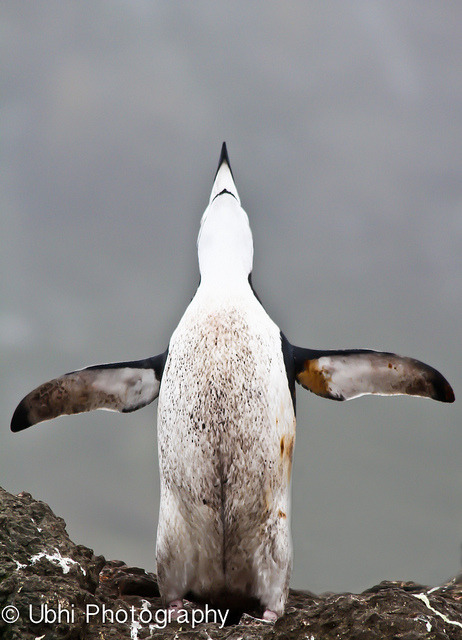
(270, 616)
(173, 608)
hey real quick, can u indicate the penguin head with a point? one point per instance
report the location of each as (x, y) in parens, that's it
(225, 244)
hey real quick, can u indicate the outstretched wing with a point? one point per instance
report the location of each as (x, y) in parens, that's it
(343, 375)
(120, 386)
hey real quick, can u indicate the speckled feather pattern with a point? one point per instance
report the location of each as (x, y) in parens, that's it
(226, 430)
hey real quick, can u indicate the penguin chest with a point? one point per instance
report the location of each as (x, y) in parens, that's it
(225, 419)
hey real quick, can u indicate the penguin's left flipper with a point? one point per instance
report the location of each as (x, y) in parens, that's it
(120, 386)
(343, 375)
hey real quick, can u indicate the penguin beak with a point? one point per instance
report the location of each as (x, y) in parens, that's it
(224, 181)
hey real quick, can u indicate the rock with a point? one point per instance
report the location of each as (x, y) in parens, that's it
(51, 588)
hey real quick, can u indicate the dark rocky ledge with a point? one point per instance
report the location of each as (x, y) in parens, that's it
(43, 573)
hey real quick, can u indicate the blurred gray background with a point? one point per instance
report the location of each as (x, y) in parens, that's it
(344, 128)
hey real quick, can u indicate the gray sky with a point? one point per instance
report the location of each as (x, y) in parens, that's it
(344, 128)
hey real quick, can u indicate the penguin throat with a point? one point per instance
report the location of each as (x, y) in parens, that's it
(223, 191)
(224, 267)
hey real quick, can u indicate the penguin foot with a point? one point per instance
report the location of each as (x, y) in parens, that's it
(270, 616)
(174, 607)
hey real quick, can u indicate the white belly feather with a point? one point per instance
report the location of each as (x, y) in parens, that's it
(226, 430)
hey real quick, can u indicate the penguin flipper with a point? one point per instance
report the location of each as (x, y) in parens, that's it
(343, 375)
(120, 386)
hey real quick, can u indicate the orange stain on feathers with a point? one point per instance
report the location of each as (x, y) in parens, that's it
(313, 378)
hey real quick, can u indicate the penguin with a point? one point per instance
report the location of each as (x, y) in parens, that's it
(226, 419)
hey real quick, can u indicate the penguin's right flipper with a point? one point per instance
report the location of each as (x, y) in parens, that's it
(120, 386)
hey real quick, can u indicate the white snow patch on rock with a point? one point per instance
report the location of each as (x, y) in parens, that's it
(57, 558)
